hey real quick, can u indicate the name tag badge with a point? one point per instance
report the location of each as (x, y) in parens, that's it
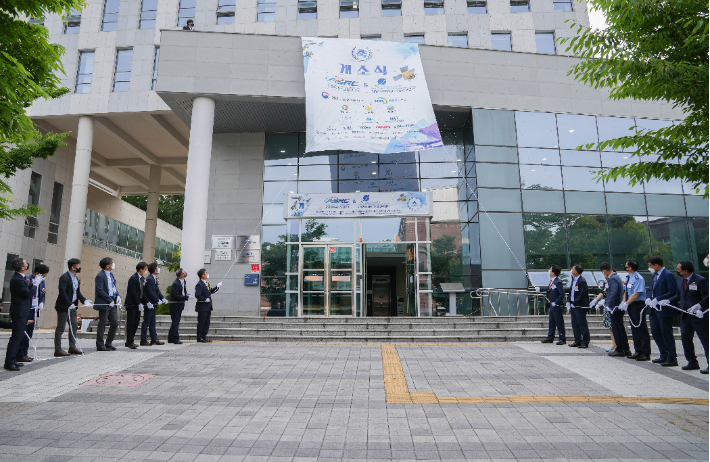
(693, 286)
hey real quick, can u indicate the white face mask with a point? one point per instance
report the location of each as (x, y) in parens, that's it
(551, 274)
(652, 270)
(705, 262)
(113, 266)
(157, 271)
(207, 276)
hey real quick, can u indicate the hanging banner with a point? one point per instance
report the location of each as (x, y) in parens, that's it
(348, 205)
(366, 96)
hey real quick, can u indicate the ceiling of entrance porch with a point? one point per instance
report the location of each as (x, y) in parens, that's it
(126, 145)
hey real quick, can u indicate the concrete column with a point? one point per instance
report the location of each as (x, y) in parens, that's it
(79, 188)
(194, 222)
(151, 214)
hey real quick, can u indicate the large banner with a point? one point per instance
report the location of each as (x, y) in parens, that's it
(366, 96)
(345, 205)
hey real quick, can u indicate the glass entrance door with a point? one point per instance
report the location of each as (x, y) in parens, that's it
(327, 287)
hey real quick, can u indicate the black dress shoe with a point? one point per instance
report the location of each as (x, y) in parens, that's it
(670, 364)
(691, 367)
(177, 342)
(643, 358)
(619, 354)
(19, 365)
(12, 367)
(561, 342)
(132, 346)
(24, 359)
(102, 349)
(704, 371)
(206, 340)
(584, 345)
(659, 360)
(634, 356)
(574, 345)
(199, 340)
(547, 340)
(111, 347)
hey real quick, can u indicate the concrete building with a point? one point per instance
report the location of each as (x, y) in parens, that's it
(219, 114)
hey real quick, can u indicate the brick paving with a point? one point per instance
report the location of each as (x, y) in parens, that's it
(301, 402)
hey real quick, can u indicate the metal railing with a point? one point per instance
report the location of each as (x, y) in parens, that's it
(509, 302)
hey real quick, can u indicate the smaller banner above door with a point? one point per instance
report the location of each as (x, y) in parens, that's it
(349, 205)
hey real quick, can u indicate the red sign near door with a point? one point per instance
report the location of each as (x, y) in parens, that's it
(332, 250)
(254, 268)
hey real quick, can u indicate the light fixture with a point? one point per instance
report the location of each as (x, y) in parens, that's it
(373, 162)
(283, 151)
(544, 158)
(571, 131)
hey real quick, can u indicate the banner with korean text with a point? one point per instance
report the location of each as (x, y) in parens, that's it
(366, 96)
(349, 205)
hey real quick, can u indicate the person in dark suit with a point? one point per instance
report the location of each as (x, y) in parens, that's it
(579, 306)
(66, 305)
(614, 297)
(178, 296)
(664, 285)
(203, 294)
(20, 307)
(106, 303)
(154, 297)
(556, 305)
(634, 302)
(135, 303)
(38, 297)
(190, 25)
(692, 297)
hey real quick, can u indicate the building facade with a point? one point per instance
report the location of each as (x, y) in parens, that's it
(219, 114)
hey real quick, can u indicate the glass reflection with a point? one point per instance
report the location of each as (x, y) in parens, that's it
(699, 234)
(576, 130)
(281, 149)
(588, 240)
(540, 177)
(359, 186)
(615, 127)
(329, 230)
(629, 238)
(536, 129)
(274, 191)
(622, 185)
(545, 240)
(670, 240)
(280, 173)
(399, 185)
(318, 172)
(399, 158)
(581, 179)
(493, 127)
(358, 158)
(539, 156)
(580, 158)
(615, 159)
(317, 187)
(654, 186)
(388, 229)
(441, 170)
(358, 172)
(399, 171)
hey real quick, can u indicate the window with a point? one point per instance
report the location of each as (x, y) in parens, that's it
(391, 7)
(266, 10)
(414, 39)
(110, 15)
(562, 5)
(519, 6)
(225, 11)
(84, 72)
(545, 42)
(37, 20)
(545, 240)
(122, 75)
(55, 213)
(31, 223)
(432, 7)
(186, 11)
(458, 40)
(307, 10)
(349, 9)
(155, 69)
(149, 11)
(72, 22)
(501, 41)
(476, 6)
(374, 38)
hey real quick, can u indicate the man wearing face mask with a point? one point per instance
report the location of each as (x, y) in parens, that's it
(634, 302)
(203, 293)
(178, 296)
(692, 297)
(66, 305)
(578, 306)
(155, 298)
(38, 298)
(107, 301)
(20, 308)
(663, 286)
(614, 297)
(556, 305)
(135, 303)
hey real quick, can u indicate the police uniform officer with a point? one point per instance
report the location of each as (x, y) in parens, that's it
(635, 302)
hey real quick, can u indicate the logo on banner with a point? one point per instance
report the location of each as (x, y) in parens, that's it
(381, 99)
(361, 54)
(325, 95)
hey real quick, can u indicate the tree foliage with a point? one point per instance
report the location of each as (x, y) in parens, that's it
(170, 207)
(30, 67)
(652, 50)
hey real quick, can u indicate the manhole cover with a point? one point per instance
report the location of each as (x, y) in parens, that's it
(120, 380)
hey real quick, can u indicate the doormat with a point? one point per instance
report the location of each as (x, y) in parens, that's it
(120, 380)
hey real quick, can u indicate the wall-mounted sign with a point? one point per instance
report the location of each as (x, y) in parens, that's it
(208, 255)
(223, 242)
(348, 205)
(223, 254)
(248, 242)
(254, 268)
(249, 256)
(251, 279)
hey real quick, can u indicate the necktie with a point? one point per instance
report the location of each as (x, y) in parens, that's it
(184, 288)
(208, 285)
(142, 282)
(685, 284)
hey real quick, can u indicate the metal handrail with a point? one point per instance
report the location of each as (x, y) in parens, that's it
(509, 302)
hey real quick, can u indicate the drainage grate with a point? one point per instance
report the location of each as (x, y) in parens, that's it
(120, 380)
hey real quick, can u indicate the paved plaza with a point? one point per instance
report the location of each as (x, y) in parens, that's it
(320, 402)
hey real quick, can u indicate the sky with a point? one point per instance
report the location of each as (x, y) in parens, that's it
(596, 20)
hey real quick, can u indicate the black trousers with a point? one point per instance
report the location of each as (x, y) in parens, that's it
(133, 317)
(25, 342)
(112, 316)
(642, 339)
(203, 323)
(13, 345)
(662, 332)
(580, 327)
(174, 332)
(690, 325)
(557, 320)
(619, 330)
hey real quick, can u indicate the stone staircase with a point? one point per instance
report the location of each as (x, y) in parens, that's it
(376, 330)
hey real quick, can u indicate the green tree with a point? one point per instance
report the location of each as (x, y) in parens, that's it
(652, 50)
(170, 207)
(30, 68)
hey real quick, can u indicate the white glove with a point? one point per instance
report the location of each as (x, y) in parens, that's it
(698, 311)
(553, 304)
(568, 305)
(602, 302)
(664, 302)
(164, 301)
(207, 300)
(624, 306)
(652, 302)
(219, 284)
(88, 303)
(140, 307)
(118, 299)
(73, 307)
(190, 297)
(150, 306)
(593, 303)
(537, 289)
(41, 305)
(112, 304)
